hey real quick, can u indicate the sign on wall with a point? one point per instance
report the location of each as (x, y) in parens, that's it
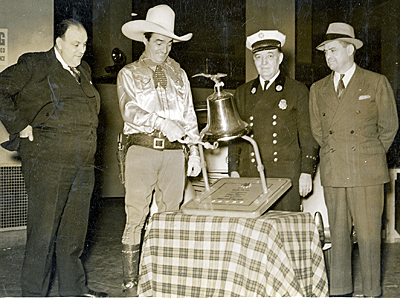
(3, 46)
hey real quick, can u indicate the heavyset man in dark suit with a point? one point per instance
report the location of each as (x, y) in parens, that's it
(49, 106)
(354, 120)
(277, 109)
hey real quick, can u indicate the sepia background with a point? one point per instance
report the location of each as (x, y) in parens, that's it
(219, 30)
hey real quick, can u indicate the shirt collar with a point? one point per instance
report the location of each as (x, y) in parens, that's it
(262, 81)
(151, 64)
(347, 76)
(59, 58)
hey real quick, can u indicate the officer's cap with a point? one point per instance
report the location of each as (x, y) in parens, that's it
(265, 40)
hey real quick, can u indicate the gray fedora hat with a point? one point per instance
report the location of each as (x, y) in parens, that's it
(340, 31)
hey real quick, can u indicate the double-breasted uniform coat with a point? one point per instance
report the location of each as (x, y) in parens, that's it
(354, 133)
(279, 120)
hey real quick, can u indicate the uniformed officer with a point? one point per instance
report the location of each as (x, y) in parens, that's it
(276, 108)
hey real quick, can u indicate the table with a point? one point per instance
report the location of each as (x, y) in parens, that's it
(278, 254)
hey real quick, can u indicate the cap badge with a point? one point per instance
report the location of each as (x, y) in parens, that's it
(261, 35)
(282, 104)
(253, 90)
(278, 88)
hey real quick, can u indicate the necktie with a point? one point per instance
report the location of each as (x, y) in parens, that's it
(76, 73)
(160, 77)
(340, 87)
(265, 85)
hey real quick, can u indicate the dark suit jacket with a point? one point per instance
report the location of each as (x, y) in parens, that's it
(30, 91)
(355, 132)
(280, 124)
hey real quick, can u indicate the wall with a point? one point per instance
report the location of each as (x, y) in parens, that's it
(30, 28)
(108, 18)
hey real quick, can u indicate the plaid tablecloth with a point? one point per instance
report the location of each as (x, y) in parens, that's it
(278, 254)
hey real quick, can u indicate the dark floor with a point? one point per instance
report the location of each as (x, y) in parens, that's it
(103, 263)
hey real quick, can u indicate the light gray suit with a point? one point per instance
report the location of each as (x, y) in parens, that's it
(354, 133)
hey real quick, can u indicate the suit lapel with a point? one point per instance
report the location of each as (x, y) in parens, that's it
(351, 94)
(329, 94)
(255, 95)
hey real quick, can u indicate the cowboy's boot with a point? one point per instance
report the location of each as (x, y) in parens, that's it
(130, 268)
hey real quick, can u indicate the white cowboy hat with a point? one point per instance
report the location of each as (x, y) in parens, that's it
(340, 31)
(159, 19)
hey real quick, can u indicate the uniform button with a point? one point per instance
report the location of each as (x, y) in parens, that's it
(353, 148)
(251, 124)
(252, 153)
(275, 159)
(352, 131)
(274, 123)
(275, 153)
(330, 132)
(253, 160)
(251, 118)
(274, 134)
(332, 150)
(274, 117)
(358, 112)
(274, 142)
(251, 136)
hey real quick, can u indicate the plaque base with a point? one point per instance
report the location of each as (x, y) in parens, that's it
(237, 197)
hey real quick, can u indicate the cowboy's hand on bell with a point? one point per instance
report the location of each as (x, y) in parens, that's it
(172, 130)
(27, 132)
(305, 184)
(194, 167)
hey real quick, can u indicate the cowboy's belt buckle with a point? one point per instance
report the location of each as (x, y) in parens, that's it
(158, 143)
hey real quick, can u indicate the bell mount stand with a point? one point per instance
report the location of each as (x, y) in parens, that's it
(260, 166)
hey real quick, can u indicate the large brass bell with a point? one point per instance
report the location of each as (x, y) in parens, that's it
(223, 120)
(224, 124)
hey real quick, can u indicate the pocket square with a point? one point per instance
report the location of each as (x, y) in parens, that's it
(362, 97)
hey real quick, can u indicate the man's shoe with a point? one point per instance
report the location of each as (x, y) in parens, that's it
(91, 293)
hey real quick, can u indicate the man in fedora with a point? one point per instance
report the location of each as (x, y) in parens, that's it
(277, 109)
(159, 118)
(354, 119)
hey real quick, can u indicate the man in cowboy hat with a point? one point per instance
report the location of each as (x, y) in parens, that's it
(159, 119)
(277, 109)
(354, 119)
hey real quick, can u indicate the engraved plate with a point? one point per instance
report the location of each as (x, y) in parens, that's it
(237, 197)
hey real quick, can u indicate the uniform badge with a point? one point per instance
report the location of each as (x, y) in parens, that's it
(278, 88)
(261, 35)
(282, 104)
(253, 90)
